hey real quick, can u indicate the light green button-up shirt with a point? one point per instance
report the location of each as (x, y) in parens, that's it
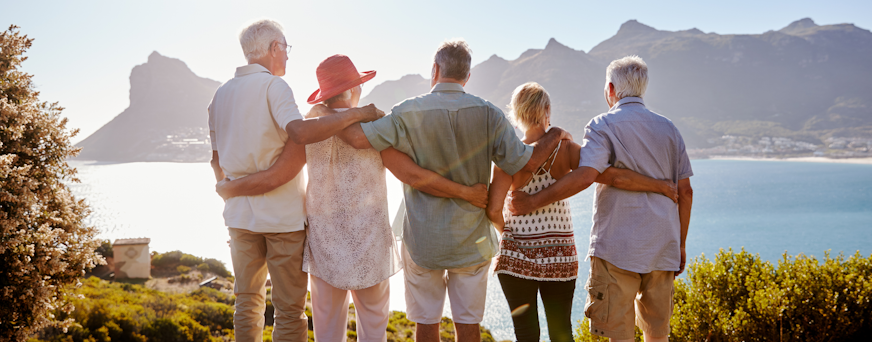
(457, 135)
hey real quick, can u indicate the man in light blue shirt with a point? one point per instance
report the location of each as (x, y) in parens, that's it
(637, 239)
(448, 243)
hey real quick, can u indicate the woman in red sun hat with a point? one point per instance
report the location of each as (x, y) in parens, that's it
(350, 248)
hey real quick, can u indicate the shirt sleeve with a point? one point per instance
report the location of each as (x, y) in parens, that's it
(684, 169)
(387, 132)
(212, 127)
(596, 150)
(509, 152)
(281, 103)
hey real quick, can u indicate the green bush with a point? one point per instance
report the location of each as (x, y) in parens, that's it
(105, 249)
(128, 312)
(740, 297)
(190, 260)
(183, 269)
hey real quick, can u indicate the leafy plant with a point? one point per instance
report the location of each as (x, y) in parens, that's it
(44, 244)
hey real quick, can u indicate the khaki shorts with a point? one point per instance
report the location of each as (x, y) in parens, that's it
(425, 292)
(618, 299)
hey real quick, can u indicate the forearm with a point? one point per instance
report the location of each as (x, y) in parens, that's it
(286, 167)
(313, 130)
(216, 167)
(501, 182)
(252, 185)
(405, 169)
(353, 135)
(632, 181)
(685, 202)
(497, 220)
(571, 184)
(542, 149)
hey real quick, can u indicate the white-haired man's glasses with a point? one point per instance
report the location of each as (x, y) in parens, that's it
(287, 47)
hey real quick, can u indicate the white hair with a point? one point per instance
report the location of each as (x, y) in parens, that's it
(257, 38)
(629, 75)
(454, 58)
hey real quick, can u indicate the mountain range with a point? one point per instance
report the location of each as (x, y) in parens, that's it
(805, 81)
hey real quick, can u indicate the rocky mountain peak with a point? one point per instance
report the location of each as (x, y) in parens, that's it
(633, 27)
(553, 44)
(799, 25)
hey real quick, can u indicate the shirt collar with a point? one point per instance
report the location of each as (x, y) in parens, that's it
(448, 87)
(250, 69)
(627, 100)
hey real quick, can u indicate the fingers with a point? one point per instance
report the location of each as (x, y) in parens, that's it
(480, 197)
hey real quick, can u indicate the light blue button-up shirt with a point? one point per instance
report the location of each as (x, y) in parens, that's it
(457, 135)
(635, 231)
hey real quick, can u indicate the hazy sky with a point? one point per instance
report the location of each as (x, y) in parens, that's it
(84, 50)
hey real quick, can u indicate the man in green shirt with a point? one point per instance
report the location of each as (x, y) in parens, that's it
(447, 242)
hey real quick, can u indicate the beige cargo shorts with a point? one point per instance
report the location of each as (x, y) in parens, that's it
(618, 300)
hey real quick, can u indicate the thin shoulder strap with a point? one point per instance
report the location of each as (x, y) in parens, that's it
(554, 155)
(541, 168)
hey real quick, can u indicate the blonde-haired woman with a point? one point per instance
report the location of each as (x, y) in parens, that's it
(537, 250)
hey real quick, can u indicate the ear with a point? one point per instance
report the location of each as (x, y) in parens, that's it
(611, 89)
(467, 79)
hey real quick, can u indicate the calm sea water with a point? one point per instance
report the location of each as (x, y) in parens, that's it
(767, 207)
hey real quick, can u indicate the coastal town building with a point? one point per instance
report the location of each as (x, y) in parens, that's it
(132, 259)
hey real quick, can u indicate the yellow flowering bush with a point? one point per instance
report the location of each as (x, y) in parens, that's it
(44, 246)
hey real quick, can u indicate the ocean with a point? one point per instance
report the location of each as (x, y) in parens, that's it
(766, 207)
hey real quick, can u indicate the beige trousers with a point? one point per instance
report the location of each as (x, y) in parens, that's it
(281, 255)
(330, 311)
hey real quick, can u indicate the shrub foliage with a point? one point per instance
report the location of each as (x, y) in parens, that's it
(740, 297)
(44, 245)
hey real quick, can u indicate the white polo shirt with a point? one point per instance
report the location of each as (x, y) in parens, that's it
(247, 120)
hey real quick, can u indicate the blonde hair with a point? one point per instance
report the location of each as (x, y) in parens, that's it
(530, 105)
(257, 38)
(629, 75)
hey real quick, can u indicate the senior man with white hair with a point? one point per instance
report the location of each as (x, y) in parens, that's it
(253, 119)
(637, 239)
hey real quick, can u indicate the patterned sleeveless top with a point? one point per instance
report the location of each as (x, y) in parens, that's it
(540, 245)
(349, 242)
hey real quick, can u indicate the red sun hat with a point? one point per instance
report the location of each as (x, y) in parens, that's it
(337, 74)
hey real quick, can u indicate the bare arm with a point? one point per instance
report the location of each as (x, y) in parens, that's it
(216, 167)
(633, 181)
(571, 184)
(685, 201)
(405, 169)
(500, 184)
(315, 129)
(285, 168)
(543, 147)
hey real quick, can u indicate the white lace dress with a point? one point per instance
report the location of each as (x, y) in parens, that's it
(349, 243)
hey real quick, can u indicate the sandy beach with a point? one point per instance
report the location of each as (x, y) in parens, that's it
(867, 161)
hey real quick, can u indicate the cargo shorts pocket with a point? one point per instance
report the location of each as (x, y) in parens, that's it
(597, 305)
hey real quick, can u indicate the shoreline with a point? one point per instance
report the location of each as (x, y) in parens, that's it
(861, 161)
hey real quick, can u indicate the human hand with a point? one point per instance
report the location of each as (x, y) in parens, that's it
(564, 134)
(683, 260)
(222, 188)
(519, 203)
(670, 189)
(477, 195)
(319, 110)
(370, 113)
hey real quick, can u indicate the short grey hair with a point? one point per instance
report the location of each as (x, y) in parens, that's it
(257, 38)
(345, 95)
(454, 58)
(629, 75)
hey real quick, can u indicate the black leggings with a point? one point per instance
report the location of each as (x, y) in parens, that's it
(556, 297)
